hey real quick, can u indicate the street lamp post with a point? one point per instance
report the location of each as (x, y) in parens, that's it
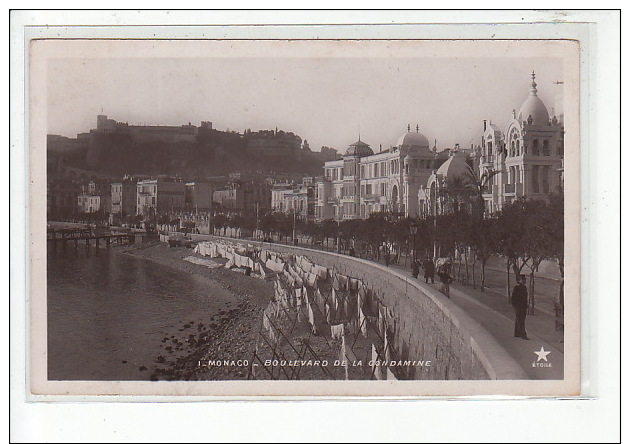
(413, 228)
(256, 232)
(435, 220)
(294, 238)
(338, 237)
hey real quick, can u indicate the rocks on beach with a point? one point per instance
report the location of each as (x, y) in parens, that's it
(229, 335)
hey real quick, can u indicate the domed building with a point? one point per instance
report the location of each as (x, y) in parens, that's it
(526, 159)
(453, 184)
(364, 182)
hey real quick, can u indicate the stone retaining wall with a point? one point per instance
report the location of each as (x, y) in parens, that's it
(429, 327)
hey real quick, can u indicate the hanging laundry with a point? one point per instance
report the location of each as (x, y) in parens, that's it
(363, 323)
(322, 272)
(319, 300)
(311, 315)
(343, 357)
(376, 369)
(361, 297)
(343, 281)
(312, 279)
(353, 284)
(349, 353)
(386, 347)
(337, 331)
(390, 375)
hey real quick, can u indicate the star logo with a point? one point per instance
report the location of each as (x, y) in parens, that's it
(542, 354)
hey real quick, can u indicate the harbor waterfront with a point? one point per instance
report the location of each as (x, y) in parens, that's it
(116, 316)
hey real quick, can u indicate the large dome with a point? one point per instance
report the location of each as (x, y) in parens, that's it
(360, 149)
(534, 107)
(410, 139)
(456, 169)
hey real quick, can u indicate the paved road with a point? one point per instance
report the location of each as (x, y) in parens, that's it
(492, 310)
(545, 289)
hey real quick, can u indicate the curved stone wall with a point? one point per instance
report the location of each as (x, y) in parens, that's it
(428, 326)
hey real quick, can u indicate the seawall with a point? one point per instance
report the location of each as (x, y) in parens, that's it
(428, 325)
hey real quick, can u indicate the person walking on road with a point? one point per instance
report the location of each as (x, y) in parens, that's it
(446, 279)
(519, 302)
(429, 270)
(415, 268)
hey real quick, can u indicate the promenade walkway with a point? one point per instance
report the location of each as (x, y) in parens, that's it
(492, 310)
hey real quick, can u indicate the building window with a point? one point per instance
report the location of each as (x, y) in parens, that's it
(545, 179)
(489, 151)
(536, 147)
(535, 179)
(546, 148)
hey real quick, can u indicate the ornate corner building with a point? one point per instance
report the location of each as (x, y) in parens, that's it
(527, 159)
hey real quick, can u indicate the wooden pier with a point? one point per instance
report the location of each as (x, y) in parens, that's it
(75, 237)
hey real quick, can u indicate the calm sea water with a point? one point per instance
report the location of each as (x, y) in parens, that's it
(108, 313)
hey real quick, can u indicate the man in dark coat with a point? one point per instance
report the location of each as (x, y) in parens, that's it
(519, 302)
(429, 270)
(444, 273)
(415, 268)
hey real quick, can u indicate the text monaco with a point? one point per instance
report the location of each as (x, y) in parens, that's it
(312, 363)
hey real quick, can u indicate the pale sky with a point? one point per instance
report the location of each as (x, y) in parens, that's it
(324, 100)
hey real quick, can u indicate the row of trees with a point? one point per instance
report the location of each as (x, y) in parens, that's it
(524, 233)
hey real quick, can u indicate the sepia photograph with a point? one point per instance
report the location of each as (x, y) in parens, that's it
(394, 218)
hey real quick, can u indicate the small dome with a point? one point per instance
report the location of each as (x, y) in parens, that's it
(410, 139)
(360, 149)
(457, 169)
(534, 107)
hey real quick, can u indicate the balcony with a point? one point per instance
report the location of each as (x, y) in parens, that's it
(332, 200)
(370, 197)
(489, 159)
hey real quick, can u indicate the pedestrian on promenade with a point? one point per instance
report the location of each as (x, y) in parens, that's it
(519, 302)
(415, 268)
(387, 257)
(444, 273)
(429, 270)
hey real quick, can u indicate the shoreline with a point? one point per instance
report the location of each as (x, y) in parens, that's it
(229, 335)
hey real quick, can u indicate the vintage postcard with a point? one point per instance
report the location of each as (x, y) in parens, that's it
(291, 218)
